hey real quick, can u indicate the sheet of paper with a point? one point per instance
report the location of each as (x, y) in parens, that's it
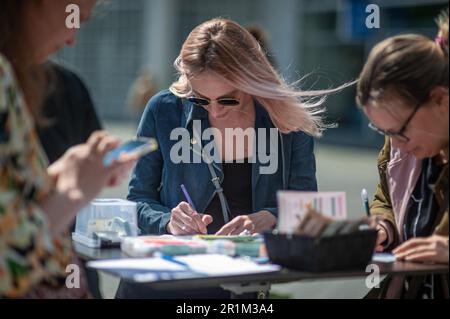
(292, 206)
(220, 265)
(384, 258)
(147, 264)
(201, 265)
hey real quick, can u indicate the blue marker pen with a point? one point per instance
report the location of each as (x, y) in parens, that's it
(188, 198)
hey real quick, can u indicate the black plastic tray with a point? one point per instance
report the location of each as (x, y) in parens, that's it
(342, 252)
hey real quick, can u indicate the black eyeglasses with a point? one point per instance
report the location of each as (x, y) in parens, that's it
(400, 134)
(206, 102)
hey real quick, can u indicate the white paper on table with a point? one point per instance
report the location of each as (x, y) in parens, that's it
(208, 265)
(384, 258)
(221, 265)
(148, 264)
(292, 206)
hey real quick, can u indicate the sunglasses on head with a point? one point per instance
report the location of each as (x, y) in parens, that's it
(206, 102)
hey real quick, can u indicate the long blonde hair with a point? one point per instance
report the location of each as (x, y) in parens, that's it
(230, 51)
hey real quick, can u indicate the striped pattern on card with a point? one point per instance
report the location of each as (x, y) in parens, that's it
(292, 206)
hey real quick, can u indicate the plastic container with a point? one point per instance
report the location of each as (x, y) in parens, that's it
(104, 222)
(222, 247)
(341, 252)
(147, 246)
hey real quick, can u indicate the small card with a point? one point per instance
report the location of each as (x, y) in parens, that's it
(293, 206)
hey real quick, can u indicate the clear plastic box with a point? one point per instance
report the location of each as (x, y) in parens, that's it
(104, 222)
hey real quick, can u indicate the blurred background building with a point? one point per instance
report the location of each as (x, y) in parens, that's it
(325, 39)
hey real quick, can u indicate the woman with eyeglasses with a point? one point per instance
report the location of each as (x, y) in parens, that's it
(225, 82)
(403, 90)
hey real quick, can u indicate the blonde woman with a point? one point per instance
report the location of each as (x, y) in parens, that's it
(225, 83)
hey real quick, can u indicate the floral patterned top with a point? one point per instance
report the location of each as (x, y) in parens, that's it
(28, 255)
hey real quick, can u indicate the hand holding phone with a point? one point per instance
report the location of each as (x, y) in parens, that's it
(140, 146)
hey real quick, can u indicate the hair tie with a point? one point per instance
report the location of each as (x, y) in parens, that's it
(440, 40)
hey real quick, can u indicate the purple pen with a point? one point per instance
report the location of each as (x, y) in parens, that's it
(188, 198)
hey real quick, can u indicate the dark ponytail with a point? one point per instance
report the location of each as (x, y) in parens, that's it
(412, 65)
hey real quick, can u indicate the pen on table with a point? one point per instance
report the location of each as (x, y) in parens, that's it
(365, 201)
(188, 198)
(174, 260)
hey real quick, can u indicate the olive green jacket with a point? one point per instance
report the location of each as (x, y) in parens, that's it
(399, 173)
(392, 194)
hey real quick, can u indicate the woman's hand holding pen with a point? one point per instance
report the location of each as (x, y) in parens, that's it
(382, 237)
(186, 221)
(382, 234)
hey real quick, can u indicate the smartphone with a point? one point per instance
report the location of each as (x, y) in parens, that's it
(140, 146)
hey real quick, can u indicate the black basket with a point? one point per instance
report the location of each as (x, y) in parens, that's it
(341, 252)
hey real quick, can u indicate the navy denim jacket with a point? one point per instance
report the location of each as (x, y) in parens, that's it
(155, 182)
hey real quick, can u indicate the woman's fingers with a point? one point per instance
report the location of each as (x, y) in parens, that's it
(96, 138)
(230, 228)
(239, 230)
(107, 143)
(188, 222)
(379, 249)
(118, 167)
(127, 157)
(196, 218)
(237, 226)
(427, 256)
(201, 226)
(410, 244)
(419, 249)
(206, 219)
(54, 169)
(118, 172)
(430, 249)
(382, 236)
(227, 229)
(185, 219)
(176, 228)
(183, 228)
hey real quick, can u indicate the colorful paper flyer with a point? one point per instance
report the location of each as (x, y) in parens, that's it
(293, 205)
